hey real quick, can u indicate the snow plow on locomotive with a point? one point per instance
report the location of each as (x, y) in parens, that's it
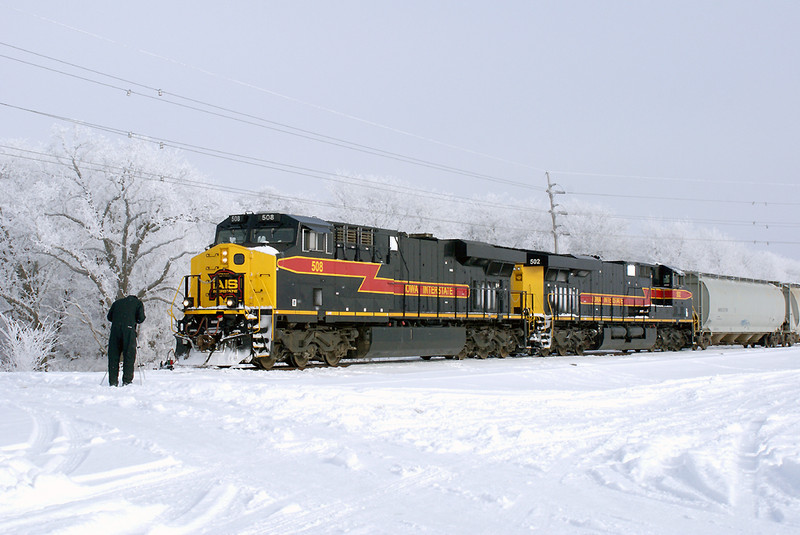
(282, 288)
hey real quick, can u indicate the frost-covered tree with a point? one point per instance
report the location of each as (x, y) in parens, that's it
(382, 202)
(500, 220)
(27, 277)
(588, 229)
(593, 230)
(388, 202)
(269, 199)
(24, 347)
(111, 219)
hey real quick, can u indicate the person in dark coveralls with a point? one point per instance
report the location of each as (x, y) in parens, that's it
(124, 315)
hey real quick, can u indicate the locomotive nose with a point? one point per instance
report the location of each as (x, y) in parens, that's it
(228, 304)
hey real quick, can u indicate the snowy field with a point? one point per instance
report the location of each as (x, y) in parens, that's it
(691, 442)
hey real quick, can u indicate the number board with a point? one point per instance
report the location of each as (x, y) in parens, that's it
(536, 259)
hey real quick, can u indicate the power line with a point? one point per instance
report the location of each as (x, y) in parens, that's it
(196, 184)
(95, 166)
(270, 164)
(345, 179)
(251, 119)
(315, 136)
(282, 96)
(676, 179)
(347, 144)
(683, 199)
(690, 220)
(338, 142)
(251, 86)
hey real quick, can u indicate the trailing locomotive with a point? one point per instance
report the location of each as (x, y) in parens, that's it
(588, 304)
(282, 288)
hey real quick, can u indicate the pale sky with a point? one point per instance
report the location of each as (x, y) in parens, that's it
(685, 109)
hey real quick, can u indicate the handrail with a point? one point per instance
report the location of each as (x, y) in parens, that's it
(172, 318)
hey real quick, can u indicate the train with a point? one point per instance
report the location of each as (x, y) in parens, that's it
(290, 289)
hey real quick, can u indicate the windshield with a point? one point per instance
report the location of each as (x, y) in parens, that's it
(273, 235)
(238, 235)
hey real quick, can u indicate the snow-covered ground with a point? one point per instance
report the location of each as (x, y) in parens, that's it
(691, 442)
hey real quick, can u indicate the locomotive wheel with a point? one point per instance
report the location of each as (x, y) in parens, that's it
(498, 350)
(544, 352)
(299, 361)
(561, 350)
(331, 358)
(265, 362)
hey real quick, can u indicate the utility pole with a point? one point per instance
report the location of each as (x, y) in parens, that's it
(552, 192)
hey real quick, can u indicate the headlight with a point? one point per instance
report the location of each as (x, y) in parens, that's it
(231, 302)
(188, 302)
(224, 256)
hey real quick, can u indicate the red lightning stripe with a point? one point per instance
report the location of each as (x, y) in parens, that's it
(650, 294)
(368, 273)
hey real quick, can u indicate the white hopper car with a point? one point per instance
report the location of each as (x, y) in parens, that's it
(749, 312)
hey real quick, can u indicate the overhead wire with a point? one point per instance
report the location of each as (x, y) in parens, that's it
(346, 144)
(276, 166)
(684, 199)
(326, 109)
(673, 178)
(189, 183)
(343, 178)
(323, 138)
(255, 87)
(43, 157)
(252, 119)
(375, 151)
(315, 136)
(316, 174)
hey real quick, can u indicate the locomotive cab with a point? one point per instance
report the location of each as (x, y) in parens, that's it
(257, 230)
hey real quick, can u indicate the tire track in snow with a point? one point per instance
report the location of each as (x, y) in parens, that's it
(293, 515)
(53, 446)
(746, 486)
(203, 507)
(698, 452)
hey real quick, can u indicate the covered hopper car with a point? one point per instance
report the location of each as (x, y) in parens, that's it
(743, 311)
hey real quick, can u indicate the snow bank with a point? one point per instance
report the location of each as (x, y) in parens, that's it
(694, 442)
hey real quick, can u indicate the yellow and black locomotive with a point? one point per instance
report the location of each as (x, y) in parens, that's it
(283, 288)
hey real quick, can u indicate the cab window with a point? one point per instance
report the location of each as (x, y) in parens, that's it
(271, 235)
(314, 241)
(237, 235)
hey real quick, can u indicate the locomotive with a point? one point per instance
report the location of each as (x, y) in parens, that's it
(276, 287)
